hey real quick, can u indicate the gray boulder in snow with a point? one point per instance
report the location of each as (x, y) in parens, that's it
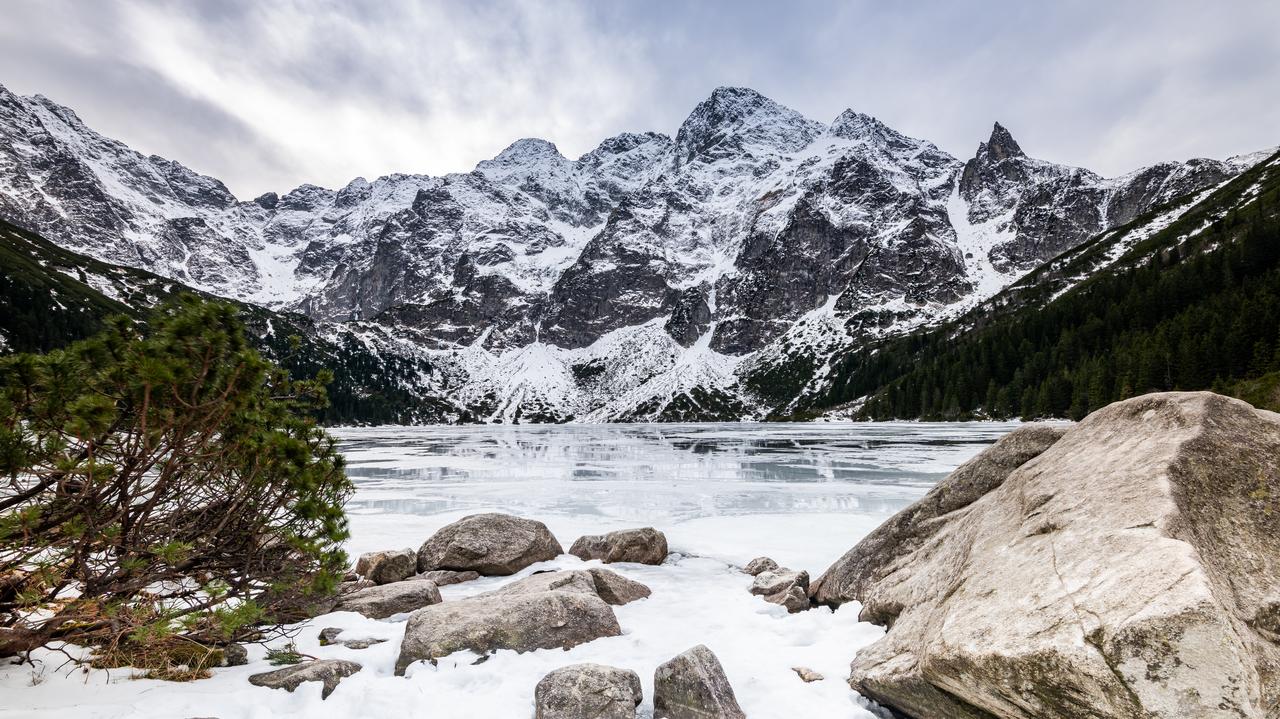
(326, 671)
(1128, 568)
(385, 600)
(641, 546)
(234, 655)
(387, 566)
(760, 564)
(588, 691)
(693, 686)
(521, 621)
(783, 586)
(330, 636)
(615, 588)
(491, 544)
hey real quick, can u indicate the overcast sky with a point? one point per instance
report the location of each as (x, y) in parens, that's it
(268, 95)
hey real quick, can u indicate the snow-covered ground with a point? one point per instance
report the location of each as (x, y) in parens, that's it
(723, 493)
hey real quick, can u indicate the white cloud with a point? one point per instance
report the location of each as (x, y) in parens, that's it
(271, 95)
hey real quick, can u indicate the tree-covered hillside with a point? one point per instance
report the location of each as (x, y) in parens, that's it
(1195, 305)
(50, 297)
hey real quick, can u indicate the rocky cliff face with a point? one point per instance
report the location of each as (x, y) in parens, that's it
(703, 256)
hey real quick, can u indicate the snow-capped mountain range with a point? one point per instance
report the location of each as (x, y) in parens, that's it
(653, 277)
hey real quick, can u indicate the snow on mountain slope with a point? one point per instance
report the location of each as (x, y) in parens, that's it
(653, 277)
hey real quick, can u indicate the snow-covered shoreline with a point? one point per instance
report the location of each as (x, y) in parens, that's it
(721, 493)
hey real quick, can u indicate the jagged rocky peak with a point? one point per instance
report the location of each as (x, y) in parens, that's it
(743, 114)
(1000, 146)
(306, 198)
(522, 157)
(626, 148)
(356, 191)
(863, 128)
(267, 200)
(990, 170)
(626, 142)
(853, 125)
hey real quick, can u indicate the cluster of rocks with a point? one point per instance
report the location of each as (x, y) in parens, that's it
(550, 609)
(691, 685)
(779, 585)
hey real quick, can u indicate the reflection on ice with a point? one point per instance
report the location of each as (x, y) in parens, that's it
(655, 473)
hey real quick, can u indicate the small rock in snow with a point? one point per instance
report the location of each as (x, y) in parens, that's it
(807, 675)
(327, 671)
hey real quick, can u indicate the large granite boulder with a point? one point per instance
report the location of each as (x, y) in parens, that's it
(387, 566)
(642, 546)
(522, 621)
(693, 686)
(908, 529)
(491, 544)
(588, 691)
(1131, 568)
(384, 600)
(326, 671)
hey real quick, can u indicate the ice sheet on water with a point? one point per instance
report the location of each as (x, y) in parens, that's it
(655, 473)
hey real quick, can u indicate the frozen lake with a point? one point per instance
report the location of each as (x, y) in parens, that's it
(679, 478)
(723, 493)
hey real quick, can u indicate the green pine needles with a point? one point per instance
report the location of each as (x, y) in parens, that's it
(162, 486)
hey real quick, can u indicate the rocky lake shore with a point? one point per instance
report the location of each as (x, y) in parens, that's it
(1125, 566)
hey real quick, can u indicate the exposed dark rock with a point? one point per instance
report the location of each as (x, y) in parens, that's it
(234, 655)
(690, 315)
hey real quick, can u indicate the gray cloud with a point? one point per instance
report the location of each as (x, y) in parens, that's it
(267, 96)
